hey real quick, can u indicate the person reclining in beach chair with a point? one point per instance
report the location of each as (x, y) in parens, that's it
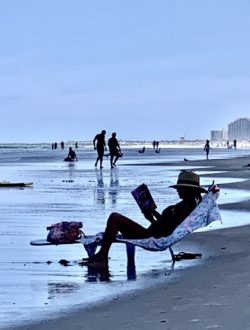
(162, 224)
(202, 215)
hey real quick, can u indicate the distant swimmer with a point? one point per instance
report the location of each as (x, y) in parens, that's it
(71, 156)
(100, 145)
(142, 150)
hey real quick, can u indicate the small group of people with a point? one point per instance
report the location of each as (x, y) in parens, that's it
(161, 224)
(100, 146)
(62, 145)
(155, 144)
(54, 146)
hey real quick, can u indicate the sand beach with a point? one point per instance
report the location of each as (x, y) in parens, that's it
(212, 293)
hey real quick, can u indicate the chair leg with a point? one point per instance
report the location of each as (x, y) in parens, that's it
(130, 254)
(172, 254)
(91, 248)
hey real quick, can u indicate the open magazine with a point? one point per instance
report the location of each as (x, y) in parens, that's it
(144, 198)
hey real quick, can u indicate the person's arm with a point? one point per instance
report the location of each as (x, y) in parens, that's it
(118, 146)
(152, 215)
(94, 143)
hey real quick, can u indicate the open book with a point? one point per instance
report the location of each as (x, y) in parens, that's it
(144, 198)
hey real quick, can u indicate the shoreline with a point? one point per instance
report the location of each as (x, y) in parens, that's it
(215, 296)
(211, 294)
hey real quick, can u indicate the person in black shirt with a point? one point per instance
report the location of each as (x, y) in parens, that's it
(114, 150)
(100, 145)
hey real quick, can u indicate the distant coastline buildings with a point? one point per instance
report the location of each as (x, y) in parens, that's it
(237, 130)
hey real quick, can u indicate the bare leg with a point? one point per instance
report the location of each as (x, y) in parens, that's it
(101, 159)
(97, 159)
(116, 158)
(111, 161)
(118, 223)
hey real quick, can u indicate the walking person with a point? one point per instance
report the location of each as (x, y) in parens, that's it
(207, 148)
(100, 146)
(114, 150)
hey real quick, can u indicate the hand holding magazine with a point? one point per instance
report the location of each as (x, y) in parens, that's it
(144, 198)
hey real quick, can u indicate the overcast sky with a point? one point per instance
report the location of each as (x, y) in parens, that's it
(147, 69)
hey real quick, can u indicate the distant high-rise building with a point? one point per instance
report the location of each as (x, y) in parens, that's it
(219, 135)
(224, 133)
(239, 129)
(216, 135)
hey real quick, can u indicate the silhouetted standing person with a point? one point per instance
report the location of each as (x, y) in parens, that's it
(114, 149)
(235, 144)
(100, 145)
(154, 144)
(207, 148)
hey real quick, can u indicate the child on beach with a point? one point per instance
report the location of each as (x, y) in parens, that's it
(189, 191)
(207, 148)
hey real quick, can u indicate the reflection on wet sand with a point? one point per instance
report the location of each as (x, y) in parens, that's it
(56, 288)
(98, 274)
(100, 189)
(114, 185)
(113, 189)
(101, 273)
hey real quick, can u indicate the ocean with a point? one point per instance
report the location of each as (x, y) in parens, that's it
(33, 285)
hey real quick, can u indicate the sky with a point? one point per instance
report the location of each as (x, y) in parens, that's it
(145, 69)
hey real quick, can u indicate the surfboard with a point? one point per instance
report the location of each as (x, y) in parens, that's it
(42, 242)
(8, 184)
(69, 160)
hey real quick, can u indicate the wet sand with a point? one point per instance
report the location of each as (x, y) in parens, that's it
(214, 293)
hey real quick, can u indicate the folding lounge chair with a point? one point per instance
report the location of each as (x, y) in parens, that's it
(205, 213)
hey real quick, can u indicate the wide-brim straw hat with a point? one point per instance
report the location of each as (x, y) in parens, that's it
(189, 179)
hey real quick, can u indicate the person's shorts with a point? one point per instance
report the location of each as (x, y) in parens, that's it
(115, 153)
(100, 152)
